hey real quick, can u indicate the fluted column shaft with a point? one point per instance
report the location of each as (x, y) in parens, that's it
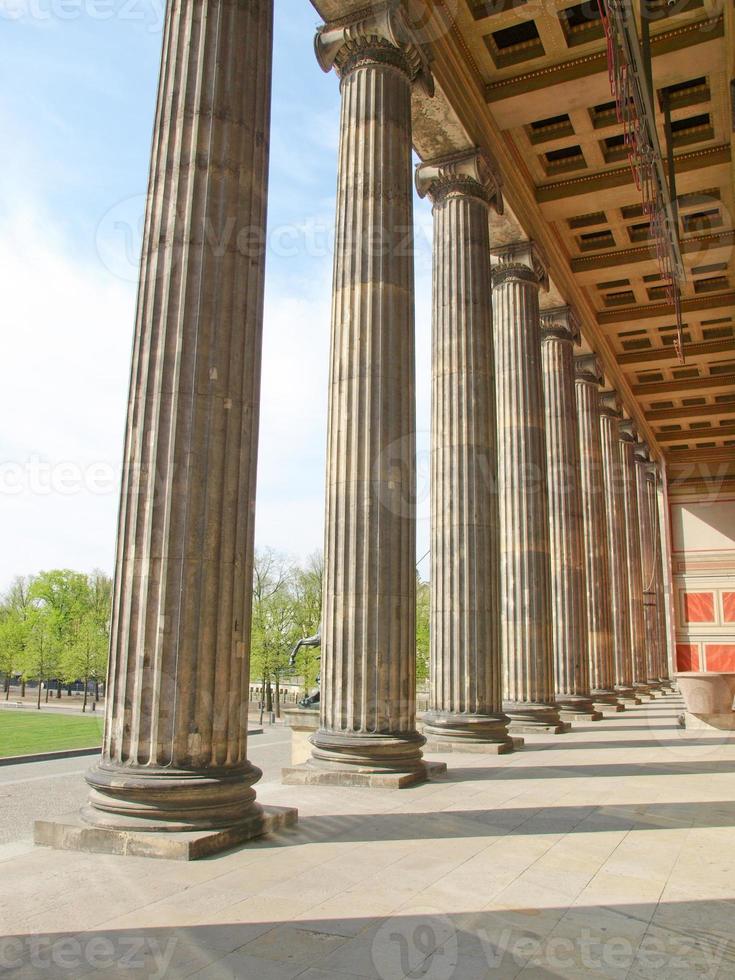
(594, 521)
(663, 630)
(610, 419)
(644, 480)
(174, 753)
(466, 684)
(368, 709)
(658, 612)
(633, 555)
(560, 332)
(522, 489)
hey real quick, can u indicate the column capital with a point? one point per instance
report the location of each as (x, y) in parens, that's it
(628, 431)
(610, 404)
(561, 323)
(642, 454)
(520, 261)
(380, 36)
(587, 367)
(473, 173)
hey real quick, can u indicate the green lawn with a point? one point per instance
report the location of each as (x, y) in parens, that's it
(26, 731)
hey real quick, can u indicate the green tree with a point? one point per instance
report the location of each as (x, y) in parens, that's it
(15, 607)
(86, 658)
(274, 626)
(423, 596)
(100, 609)
(308, 583)
(13, 634)
(64, 595)
(42, 649)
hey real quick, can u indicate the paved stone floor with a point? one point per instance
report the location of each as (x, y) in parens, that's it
(606, 852)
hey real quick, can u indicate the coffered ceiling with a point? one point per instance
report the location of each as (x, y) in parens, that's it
(528, 80)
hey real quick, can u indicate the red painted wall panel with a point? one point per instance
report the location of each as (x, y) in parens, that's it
(728, 604)
(687, 656)
(699, 607)
(720, 656)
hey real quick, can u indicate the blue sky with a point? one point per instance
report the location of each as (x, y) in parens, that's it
(77, 92)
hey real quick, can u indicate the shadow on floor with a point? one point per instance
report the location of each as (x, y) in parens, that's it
(517, 821)
(726, 738)
(669, 940)
(623, 728)
(459, 774)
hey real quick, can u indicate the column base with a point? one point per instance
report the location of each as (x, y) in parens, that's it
(309, 775)
(73, 833)
(570, 715)
(449, 731)
(577, 708)
(528, 718)
(481, 748)
(172, 800)
(606, 701)
(362, 759)
(626, 694)
(654, 687)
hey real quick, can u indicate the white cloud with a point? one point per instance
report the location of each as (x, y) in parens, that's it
(66, 332)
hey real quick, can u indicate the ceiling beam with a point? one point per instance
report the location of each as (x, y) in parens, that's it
(685, 384)
(647, 253)
(690, 412)
(664, 355)
(714, 432)
(630, 314)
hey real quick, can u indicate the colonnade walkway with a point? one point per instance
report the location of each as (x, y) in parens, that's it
(604, 852)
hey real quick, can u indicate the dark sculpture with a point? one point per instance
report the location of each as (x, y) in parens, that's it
(311, 700)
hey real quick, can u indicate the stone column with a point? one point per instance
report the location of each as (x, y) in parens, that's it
(588, 376)
(664, 581)
(525, 585)
(367, 733)
(465, 711)
(174, 755)
(611, 416)
(560, 333)
(644, 481)
(628, 440)
(659, 613)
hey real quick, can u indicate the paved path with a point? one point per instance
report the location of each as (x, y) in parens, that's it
(49, 789)
(607, 852)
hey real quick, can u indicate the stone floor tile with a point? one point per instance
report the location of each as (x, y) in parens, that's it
(297, 942)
